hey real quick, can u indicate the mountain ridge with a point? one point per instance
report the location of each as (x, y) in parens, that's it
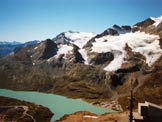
(89, 66)
(6, 47)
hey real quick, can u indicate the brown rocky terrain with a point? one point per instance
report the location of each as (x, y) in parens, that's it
(12, 110)
(89, 117)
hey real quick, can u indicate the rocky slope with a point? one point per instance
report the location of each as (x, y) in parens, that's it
(151, 25)
(21, 111)
(95, 67)
(90, 117)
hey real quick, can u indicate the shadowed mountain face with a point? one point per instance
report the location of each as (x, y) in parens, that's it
(95, 67)
(49, 49)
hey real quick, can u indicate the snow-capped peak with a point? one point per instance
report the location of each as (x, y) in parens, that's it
(67, 40)
(145, 44)
(79, 38)
(157, 20)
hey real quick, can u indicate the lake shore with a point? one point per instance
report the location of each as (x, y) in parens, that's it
(52, 101)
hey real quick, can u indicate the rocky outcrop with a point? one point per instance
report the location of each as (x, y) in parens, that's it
(49, 49)
(77, 56)
(148, 27)
(134, 68)
(101, 58)
(113, 31)
(109, 31)
(126, 27)
(21, 111)
(145, 23)
(61, 39)
(122, 29)
(117, 27)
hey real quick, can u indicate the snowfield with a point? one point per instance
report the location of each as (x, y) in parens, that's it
(145, 44)
(79, 38)
(64, 49)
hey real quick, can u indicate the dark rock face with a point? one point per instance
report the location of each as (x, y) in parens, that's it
(117, 27)
(134, 68)
(114, 31)
(145, 23)
(148, 27)
(75, 57)
(126, 27)
(61, 39)
(117, 79)
(78, 57)
(102, 58)
(109, 31)
(50, 49)
(160, 40)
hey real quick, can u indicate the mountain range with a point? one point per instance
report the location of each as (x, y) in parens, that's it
(94, 67)
(6, 47)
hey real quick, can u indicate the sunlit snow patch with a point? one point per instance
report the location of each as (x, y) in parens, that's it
(79, 38)
(64, 49)
(145, 44)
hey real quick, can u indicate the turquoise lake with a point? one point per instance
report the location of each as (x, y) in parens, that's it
(59, 105)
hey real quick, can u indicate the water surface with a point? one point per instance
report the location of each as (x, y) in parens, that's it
(59, 105)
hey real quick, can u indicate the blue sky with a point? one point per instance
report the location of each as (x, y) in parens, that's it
(25, 20)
